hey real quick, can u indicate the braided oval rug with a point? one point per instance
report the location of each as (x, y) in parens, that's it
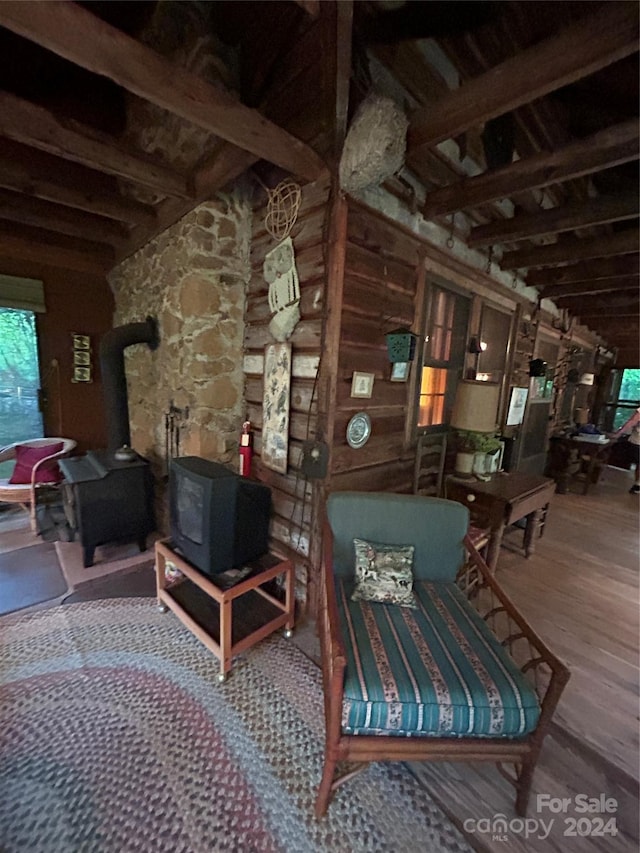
(115, 736)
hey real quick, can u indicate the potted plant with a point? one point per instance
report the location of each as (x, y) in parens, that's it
(473, 448)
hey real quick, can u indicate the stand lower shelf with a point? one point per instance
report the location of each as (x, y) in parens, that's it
(227, 621)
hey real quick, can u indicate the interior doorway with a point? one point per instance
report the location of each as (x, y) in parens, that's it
(20, 414)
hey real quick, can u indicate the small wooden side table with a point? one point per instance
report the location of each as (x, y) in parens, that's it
(503, 500)
(227, 621)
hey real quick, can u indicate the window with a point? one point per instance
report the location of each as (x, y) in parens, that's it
(495, 330)
(624, 397)
(444, 353)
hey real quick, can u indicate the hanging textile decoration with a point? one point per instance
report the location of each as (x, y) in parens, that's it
(279, 270)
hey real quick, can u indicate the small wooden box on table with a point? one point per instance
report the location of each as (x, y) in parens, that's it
(227, 621)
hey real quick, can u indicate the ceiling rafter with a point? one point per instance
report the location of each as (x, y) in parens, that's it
(603, 150)
(579, 50)
(586, 271)
(573, 249)
(584, 288)
(82, 38)
(569, 217)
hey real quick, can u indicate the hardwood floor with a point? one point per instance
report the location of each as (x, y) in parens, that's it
(579, 590)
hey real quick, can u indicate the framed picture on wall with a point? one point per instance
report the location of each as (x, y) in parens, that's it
(400, 371)
(362, 384)
(275, 406)
(517, 404)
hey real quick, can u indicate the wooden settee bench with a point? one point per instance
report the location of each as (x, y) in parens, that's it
(459, 675)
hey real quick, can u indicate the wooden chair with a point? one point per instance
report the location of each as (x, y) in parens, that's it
(428, 469)
(460, 677)
(25, 494)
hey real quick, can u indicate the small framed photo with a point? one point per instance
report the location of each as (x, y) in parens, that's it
(82, 356)
(81, 341)
(81, 374)
(400, 371)
(362, 384)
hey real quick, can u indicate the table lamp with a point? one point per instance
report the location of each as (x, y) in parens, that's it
(474, 417)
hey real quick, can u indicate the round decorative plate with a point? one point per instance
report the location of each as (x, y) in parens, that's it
(358, 429)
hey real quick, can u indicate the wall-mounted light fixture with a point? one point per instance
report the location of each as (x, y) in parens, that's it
(587, 379)
(401, 345)
(476, 345)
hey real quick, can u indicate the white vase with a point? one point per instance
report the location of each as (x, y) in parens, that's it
(464, 464)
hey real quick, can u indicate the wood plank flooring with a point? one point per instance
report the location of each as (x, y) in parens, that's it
(579, 591)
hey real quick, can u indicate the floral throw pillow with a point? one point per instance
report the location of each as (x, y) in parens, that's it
(383, 573)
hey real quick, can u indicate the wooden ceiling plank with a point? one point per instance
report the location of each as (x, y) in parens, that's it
(40, 175)
(601, 305)
(53, 217)
(596, 211)
(74, 33)
(587, 271)
(573, 250)
(603, 150)
(44, 247)
(38, 128)
(579, 50)
(601, 285)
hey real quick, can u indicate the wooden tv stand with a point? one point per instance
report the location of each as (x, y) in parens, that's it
(227, 621)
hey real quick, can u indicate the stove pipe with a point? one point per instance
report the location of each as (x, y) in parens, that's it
(114, 380)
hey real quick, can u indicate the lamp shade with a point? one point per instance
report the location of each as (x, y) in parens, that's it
(476, 406)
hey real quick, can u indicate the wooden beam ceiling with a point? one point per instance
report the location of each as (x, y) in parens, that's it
(581, 49)
(586, 271)
(36, 127)
(602, 150)
(609, 305)
(601, 285)
(74, 33)
(571, 250)
(596, 211)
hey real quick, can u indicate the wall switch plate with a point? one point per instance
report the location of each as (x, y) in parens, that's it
(315, 459)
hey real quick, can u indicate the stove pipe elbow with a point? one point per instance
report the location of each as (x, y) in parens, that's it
(114, 381)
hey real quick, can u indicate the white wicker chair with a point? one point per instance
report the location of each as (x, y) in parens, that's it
(25, 494)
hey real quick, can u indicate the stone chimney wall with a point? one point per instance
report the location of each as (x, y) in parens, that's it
(192, 278)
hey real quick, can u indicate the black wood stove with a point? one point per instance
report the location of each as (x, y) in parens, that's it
(108, 494)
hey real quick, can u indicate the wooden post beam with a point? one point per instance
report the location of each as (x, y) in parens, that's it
(587, 271)
(579, 288)
(74, 33)
(603, 150)
(572, 250)
(581, 49)
(582, 214)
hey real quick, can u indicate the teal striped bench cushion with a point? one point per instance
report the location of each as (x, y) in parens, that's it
(433, 671)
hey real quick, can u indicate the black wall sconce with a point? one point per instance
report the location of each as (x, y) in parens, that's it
(476, 345)
(401, 345)
(537, 367)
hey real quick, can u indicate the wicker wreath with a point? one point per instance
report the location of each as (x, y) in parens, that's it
(282, 209)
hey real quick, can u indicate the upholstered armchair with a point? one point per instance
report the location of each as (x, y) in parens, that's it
(436, 664)
(35, 468)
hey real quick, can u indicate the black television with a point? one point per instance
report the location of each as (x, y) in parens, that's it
(219, 520)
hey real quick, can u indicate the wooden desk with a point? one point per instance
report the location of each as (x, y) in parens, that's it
(503, 500)
(220, 618)
(577, 456)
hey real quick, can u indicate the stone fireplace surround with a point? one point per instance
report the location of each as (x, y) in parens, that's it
(192, 278)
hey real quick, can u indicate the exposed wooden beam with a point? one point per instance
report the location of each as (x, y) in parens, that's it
(602, 150)
(623, 327)
(34, 173)
(38, 128)
(342, 75)
(573, 250)
(601, 285)
(587, 271)
(569, 217)
(64, 220)
(579, 50)
(71, 31)
(599, 305)
(41, 247)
